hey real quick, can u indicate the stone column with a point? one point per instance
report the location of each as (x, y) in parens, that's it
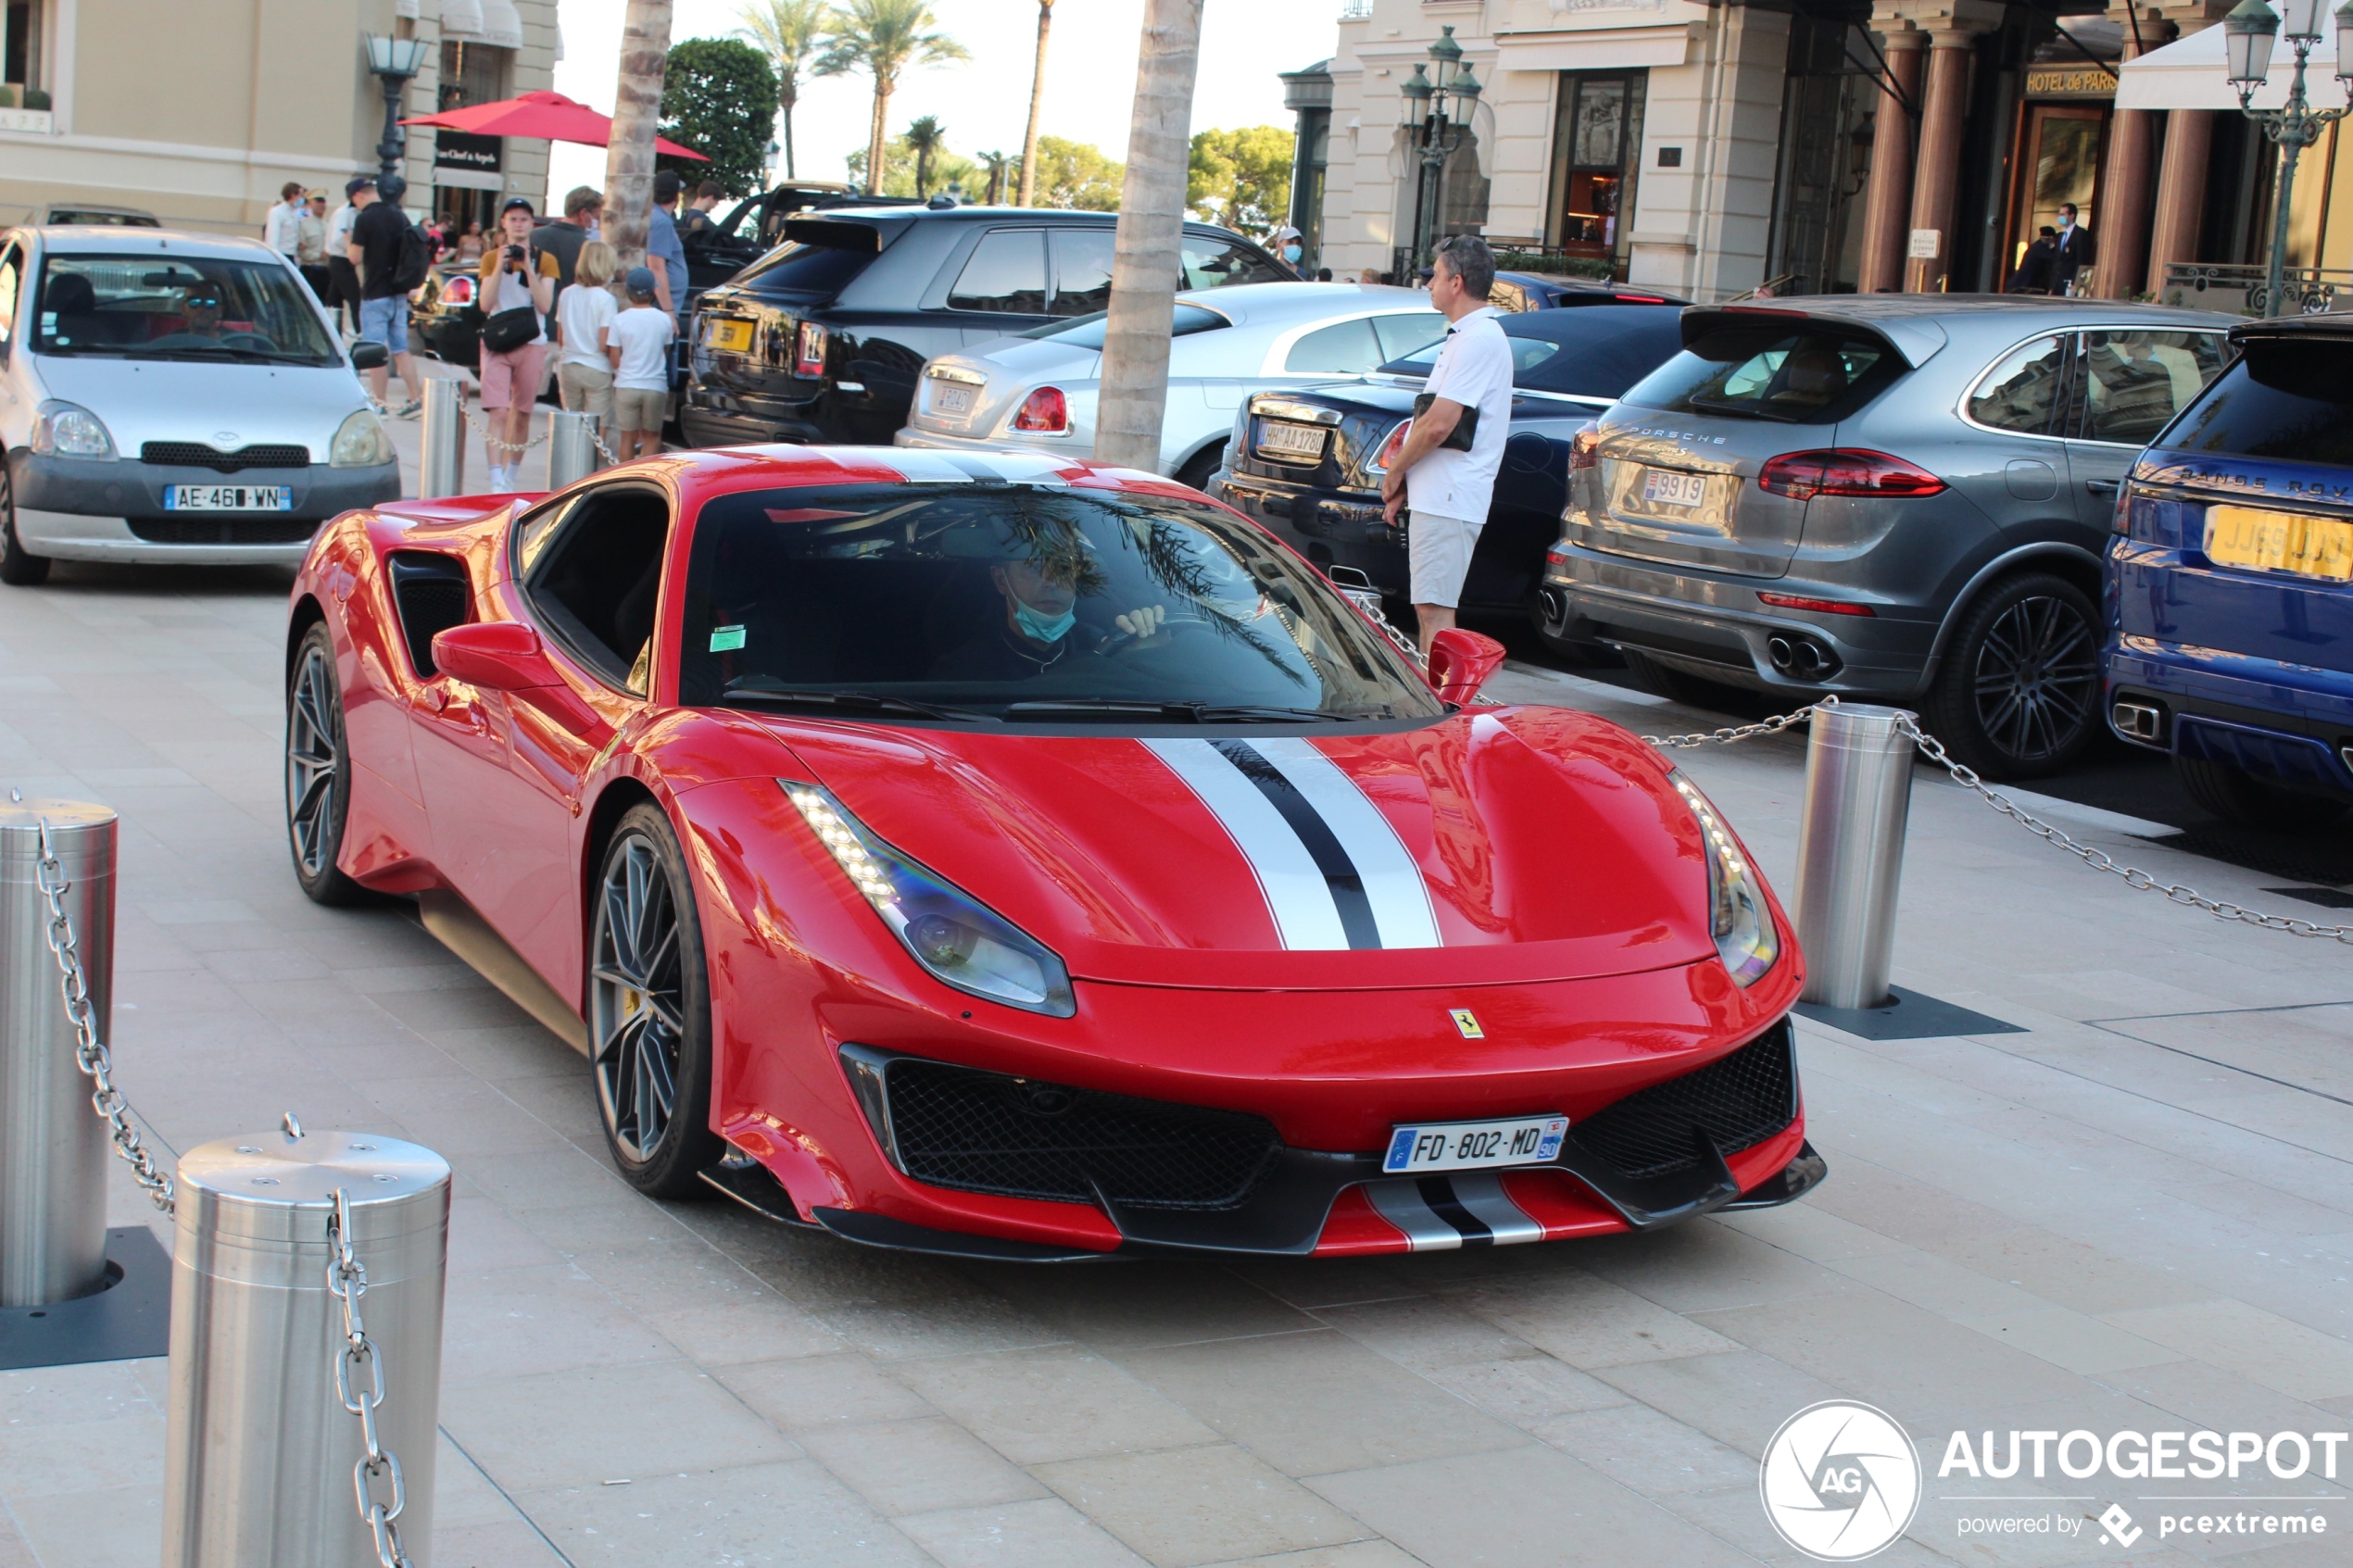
(1887, 203)
(1939, 176)
(2121, 230)
(2181, 192)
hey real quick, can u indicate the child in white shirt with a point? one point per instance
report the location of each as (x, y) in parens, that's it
(640, 338)
(584, 311)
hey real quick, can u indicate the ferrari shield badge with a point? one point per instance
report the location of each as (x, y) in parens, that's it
(1465, 1020)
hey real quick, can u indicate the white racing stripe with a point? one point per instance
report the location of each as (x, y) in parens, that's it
(1483, 1195)
(1440, 1213)
(1401, 1204)
(917, 465)
(1296, 892)
(1393, 884)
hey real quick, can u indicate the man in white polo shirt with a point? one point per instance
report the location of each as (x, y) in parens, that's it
(1448, 488)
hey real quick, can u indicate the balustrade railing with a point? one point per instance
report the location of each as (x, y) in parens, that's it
(2242, 291)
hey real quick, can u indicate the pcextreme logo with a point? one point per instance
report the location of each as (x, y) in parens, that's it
(1840, 1481)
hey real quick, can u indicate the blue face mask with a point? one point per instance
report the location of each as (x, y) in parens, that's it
(1290, 253)
(1039, 627)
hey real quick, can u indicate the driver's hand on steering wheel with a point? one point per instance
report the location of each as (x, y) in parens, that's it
(1143, 623)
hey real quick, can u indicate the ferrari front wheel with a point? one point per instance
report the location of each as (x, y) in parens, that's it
(318, 771)
(650, 1010)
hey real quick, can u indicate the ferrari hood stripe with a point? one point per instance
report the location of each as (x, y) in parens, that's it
(919, 466)
(1296, 892)
(1393, 884)
(1341, 881)
(1440, 1213)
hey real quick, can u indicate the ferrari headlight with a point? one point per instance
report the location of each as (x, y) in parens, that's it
(1738, 919)
(65, 431)
(949, 934)
(360, 442)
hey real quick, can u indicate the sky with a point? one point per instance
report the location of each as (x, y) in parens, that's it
(984, 103)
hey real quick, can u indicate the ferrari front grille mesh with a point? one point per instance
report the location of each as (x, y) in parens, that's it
(987, 1132)
(1741, 1099)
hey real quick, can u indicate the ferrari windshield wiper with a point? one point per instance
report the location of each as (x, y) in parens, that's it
(1181, 712)
(867, 702)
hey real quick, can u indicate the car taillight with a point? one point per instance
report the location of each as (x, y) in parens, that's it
(1584, 448)
(459, 290)
(1824, 606)
(1391, 448)
(1046, 410)
(1845, 471)
(809, 350)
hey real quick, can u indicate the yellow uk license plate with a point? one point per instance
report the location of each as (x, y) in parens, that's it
(2272, 541)
(733, 337)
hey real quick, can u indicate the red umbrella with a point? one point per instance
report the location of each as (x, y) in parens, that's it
(548, 116)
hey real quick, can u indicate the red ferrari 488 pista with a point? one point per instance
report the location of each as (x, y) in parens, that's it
(1006, 857)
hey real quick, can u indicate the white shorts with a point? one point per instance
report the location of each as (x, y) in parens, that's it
(1440, 548)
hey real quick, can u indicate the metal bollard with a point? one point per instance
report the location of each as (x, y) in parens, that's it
(52, 1147)
(1850, 852)
(572, 447)
(441, 468)
(260, 1450)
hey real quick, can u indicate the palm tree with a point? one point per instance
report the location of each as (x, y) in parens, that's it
(1145, 270)
(925, 138)
(997, 164)
(629, 156)
(789, 33)
(1036, 98)
(883, 38)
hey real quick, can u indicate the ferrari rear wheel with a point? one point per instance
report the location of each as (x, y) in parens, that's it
(318, 771)
(649, 1012)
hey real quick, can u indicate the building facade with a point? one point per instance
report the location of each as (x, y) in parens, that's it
(221, 102)
(1803, 146)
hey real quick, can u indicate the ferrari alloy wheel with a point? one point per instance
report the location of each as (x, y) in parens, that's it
(2021, 681)
(648, 1012)
(318, 785)
(19, 568)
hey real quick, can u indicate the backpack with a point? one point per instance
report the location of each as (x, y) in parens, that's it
(415, 260)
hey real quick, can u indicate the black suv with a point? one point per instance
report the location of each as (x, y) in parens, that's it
(822, 339)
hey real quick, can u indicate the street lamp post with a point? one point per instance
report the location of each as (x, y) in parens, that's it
(1436, 105)
(2295, 125)
(392, 61)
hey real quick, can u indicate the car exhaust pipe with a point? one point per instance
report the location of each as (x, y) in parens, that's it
(1807, 659)
(2138, 721)
(1556, 608)
(1779, 650)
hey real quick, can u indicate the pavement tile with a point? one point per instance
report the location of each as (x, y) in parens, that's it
(585, 1427)
(1525, 1388)
(1739, 1398)
(1174, 1303)
(1312, 1403)
(2072, 1339)
(1355, 1554)
(1038, 1406)
(508, 1543)
(1732, 1515)
(2070, 1273)
(1589, 1323)
(1184, 1507)
(1484, 1510)
(780, 1515)
(508, 1323)
(917, 1466)
(1424, 1331)
(952, 1327)
(2299, 1362)
(842, 1388)
(1696, 1267)
(99, 1527)
(1042, 1533)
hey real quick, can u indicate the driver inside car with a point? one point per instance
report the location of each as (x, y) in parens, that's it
(1036, 626)
(200, 315)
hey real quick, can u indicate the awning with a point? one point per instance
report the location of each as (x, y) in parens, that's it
(2189, 73)
(482, 21)
(1602, 49)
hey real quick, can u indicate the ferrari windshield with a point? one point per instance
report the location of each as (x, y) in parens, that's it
(1039, 603)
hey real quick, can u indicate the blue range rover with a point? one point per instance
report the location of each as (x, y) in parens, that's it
(2230, 583)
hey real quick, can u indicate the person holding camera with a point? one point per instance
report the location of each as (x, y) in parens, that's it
(518, 290)
(1446, 473)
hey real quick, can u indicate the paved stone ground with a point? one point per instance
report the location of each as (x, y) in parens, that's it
(2136, 1214)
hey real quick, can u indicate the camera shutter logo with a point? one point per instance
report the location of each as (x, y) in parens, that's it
(1840, 1481)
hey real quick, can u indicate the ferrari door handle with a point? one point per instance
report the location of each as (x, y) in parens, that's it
(2103, 486)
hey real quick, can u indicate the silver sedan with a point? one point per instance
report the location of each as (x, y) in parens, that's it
(1039, 390)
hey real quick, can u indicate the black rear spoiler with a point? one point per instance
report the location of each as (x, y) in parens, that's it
(842, 233)
(1915, 339)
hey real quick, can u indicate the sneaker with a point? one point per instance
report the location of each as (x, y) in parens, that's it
(407, 411)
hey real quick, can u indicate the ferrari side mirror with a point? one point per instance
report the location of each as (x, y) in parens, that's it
(1460, 662)
(497, 656)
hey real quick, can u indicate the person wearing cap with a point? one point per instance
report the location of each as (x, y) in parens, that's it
(640, 338)
(1284, 243)
(513, 277)
(342, 278)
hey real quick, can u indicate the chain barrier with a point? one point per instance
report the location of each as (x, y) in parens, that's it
(1725, 737)
(493, 442)
(348, 1282)
(2140, 880)
(90, 1053)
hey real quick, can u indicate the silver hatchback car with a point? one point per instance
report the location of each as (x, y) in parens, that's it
(1896, 497)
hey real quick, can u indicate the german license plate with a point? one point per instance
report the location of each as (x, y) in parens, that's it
(732, 337)
(949, 398)
(227, 498)
(1278, 439)
(2273, 541)
(1471, 1146)
(1664, 489)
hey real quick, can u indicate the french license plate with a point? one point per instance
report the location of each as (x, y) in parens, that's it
(227, 498)
(946, 397)
(1471, 1146)
(1291, 441)
(2273, 541)
(731, 337)
(1664, 489)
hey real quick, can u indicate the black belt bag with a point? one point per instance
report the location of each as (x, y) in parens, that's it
(510, 330)
(1459, 438)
